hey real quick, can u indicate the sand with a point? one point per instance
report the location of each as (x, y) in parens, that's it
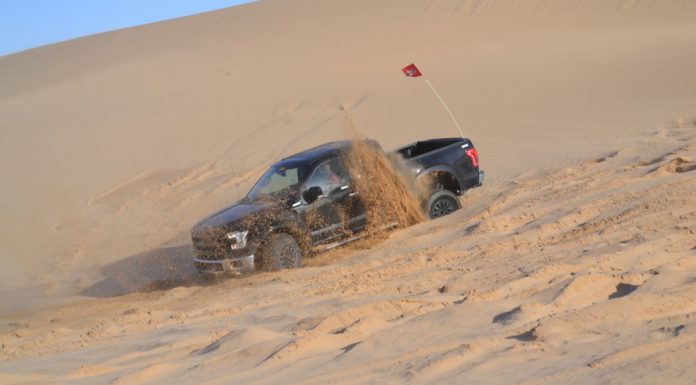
(573, 264)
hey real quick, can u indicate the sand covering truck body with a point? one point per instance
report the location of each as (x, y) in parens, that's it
(307, 203)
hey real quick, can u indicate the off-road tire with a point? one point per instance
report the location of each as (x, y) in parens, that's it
(280, 251)
(442, 202)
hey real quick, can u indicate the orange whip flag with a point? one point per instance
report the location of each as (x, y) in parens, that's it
(413, 72)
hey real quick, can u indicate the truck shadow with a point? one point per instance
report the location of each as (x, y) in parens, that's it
(160, 269)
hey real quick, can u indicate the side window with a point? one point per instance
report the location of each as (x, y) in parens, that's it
(329, 175)
(284, 178)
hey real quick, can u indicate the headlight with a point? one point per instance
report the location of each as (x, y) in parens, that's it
(238, 239)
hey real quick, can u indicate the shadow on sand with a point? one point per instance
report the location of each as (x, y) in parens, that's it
(159, 269)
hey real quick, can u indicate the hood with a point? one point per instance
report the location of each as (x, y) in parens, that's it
(233, 217)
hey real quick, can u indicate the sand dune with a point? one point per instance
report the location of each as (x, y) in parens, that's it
(572, 265)
(536, 283)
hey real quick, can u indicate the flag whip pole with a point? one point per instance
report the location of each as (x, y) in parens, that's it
(413, 72)
(444, 105)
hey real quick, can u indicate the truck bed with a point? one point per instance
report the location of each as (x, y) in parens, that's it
(456, 156)
(420, 148)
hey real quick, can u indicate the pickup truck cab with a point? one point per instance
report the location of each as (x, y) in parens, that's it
(307, 203)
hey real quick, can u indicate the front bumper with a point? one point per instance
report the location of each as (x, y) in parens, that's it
(225, 266)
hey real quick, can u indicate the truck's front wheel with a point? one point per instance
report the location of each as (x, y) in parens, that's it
(441, 203)
(280, 251)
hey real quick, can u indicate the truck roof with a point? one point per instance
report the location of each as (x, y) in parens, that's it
(317, 153)
(324, 151)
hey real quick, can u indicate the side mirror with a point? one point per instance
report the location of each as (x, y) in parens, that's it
(312, 194)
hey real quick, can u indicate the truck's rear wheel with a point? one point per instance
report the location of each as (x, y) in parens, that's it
(280, 251)
(441, 203)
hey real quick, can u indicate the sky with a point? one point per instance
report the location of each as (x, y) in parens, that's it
(26, 24)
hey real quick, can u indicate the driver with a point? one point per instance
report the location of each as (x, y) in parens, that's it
(331, 179)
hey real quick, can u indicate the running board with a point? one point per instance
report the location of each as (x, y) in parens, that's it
(355, 237)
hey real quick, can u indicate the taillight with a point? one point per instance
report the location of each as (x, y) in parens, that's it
(472, 153)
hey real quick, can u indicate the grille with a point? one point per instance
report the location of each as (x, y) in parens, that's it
(210, 245)
(202, 266)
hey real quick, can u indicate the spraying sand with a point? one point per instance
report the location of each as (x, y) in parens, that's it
(389, 196)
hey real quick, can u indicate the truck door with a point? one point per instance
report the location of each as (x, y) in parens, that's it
(355, 218)
(327, 202)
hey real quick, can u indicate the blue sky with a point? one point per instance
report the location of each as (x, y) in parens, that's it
(26, 24)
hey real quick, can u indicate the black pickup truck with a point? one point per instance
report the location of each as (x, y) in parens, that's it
(270, 229)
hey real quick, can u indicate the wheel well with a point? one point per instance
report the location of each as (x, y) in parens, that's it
(296, 233)
(442, 180)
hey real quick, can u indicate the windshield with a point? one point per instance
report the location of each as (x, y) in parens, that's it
(278, 182)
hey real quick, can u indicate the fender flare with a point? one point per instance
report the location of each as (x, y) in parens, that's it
(301, 237)
(439, 168)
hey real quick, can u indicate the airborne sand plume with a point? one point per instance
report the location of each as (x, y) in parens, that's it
(389, 194)
(573, 264)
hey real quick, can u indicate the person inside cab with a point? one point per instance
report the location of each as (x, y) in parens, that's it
(329, 176)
